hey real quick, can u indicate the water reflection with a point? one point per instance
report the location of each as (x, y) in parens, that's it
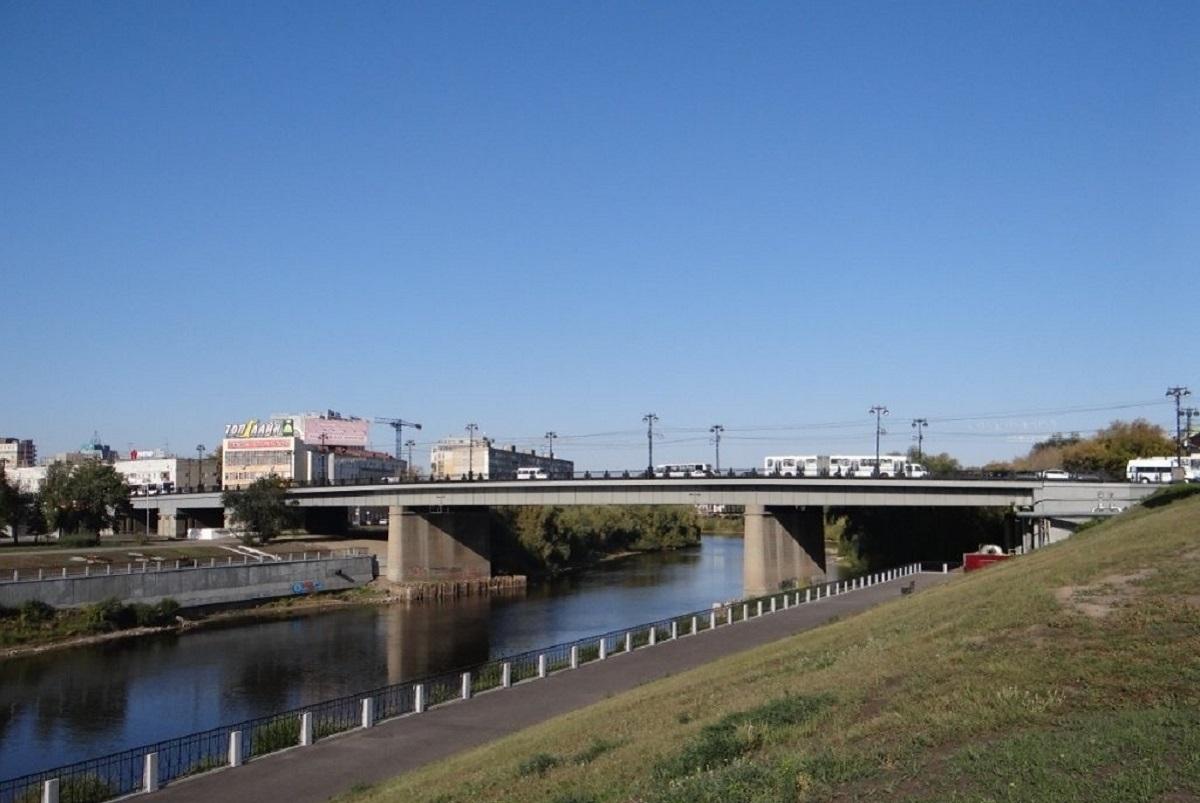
(66, 706)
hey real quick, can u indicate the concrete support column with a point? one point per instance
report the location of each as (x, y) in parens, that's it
(450, 545)
(172, 525)
(782, 545)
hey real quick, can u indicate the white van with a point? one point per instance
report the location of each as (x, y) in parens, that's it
(532, 473)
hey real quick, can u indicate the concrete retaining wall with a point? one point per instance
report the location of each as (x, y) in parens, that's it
(198, 586)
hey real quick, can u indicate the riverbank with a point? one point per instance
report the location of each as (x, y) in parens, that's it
(1068, 674)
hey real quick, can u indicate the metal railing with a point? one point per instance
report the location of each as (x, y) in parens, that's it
(150, 566)
(643, 474)
(147, 767)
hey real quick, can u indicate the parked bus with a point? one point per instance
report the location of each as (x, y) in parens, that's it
(683, 470)
(793, 465)
(1161, 469)
(532, 473)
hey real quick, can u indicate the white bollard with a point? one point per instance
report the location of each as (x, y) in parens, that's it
(712, 621)
(772, 605)
(150, 773)
(574, 657)
(419, 698)
(87, 571)
(50, 791)
(745, 611)
(542, 665)
(674, 630)
(506, 673)
(653, 636)
(64, 573)
(368, 712)
(628, 642)
(728, 614)
(306, 729)
(694, 623)
(466, 685)
(786, 597)
(603, 649)
(235, 748)
(759, 612)
(945, 568)
(807, 593)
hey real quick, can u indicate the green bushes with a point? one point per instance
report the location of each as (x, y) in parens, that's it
(538, 540)
(275, 735)
(37, 621)
(35, 612)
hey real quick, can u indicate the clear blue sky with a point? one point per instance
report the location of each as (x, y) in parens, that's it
(564, 215)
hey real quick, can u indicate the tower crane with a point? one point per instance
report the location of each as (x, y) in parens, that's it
(398, 424)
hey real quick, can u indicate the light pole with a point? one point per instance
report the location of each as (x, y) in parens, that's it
(716, 430)
(550, 436)
(878, 411)
(471, 430)
(1178, 392)
(919, 425)
(200, 465)
(650, 418)
(410, 444)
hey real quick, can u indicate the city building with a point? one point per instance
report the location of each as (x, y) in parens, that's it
(152, 473)
(306, 448)
(27, 479)
(457, 458)
(17, 453)
(92, 450)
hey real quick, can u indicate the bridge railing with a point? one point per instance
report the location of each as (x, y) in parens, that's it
(147, 767)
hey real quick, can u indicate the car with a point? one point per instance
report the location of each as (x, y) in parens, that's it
(1055, 474)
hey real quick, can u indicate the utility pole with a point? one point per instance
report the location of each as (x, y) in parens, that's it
(919, 425)
(550, 436)
(650, 418)
(878, 411)
(1178, 392)
(398, 424)
(716, 430)
(410, 444)
(471, 430)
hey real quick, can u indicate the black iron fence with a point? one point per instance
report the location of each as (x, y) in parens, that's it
(150, 766)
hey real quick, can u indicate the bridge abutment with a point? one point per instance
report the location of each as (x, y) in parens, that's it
(427, 546)
(783, 546)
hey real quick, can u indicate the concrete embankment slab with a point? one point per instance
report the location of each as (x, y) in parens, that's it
(316, 773)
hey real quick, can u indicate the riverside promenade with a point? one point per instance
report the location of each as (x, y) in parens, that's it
(332, 766)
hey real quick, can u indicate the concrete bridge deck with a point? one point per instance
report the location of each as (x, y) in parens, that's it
(330, 767)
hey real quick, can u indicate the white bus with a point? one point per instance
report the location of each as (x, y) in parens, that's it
(683, 470)
(1160, 469)
(532, 473)
(793, 465)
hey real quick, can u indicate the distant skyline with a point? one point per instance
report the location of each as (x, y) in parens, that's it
(541, 216)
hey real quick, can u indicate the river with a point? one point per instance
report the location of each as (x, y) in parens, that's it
(68, 705)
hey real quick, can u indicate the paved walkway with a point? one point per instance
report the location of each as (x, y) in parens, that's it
(316, 773)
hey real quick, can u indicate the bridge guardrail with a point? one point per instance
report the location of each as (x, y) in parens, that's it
(147, 767)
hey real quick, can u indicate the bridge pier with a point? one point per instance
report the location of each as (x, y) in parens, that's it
(783, 546)
(424, 546)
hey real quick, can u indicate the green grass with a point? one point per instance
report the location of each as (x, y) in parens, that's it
(1069, 674)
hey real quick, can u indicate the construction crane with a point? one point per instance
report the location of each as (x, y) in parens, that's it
(398, 424)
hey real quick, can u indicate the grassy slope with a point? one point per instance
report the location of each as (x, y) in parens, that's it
(997, 686)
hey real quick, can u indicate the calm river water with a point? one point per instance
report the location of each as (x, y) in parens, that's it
(81, 703)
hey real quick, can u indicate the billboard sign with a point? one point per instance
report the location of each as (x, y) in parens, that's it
(276, 427)
(354, 432)
(260, 443)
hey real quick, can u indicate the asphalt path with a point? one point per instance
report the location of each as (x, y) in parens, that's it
(369, 755)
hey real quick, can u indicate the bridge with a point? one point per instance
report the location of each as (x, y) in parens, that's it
(439, 530)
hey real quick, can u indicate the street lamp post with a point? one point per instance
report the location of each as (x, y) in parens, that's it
(716, 430)
(919, 424)
(200, 466)
(878, 411)
(550, 436)
(650, 418)
(410, 444)
(471, 430)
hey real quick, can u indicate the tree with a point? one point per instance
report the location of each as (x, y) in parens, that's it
(9, 501)
(88, 496)
(262, 507)
(936, 464)
(1105, 453)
